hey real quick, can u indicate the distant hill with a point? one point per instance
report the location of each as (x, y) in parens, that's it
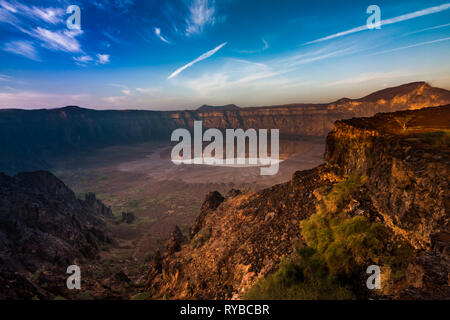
(228, 107)
(29, 137)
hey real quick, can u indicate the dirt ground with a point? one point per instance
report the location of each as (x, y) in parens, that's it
(143, 180)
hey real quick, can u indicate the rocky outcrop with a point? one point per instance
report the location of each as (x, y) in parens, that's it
(249, 234)
(128, 217)
(29, 138)
(97, 205)
(175, 241)
(212, 201)
(408, 170)
(44, 227)
(405, 156)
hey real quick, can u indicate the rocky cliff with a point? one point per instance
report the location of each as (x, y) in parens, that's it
(403, 158)
(44, 228)
(27, 138)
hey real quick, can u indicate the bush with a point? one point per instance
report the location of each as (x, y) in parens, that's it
(141, 296)
(149, 256)
(333, 201)
(339, 248)
(200, 238)
(299, 280)
(345, 243)
(440, 138)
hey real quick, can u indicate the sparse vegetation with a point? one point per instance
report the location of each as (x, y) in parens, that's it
(339, 247)
(149, 256)
(141, 296)
(334, 199)
(304, 277)
(405, 121)
(200, 238)
(439, 138)
(85, 295)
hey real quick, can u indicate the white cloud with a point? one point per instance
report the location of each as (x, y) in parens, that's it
(33, 100)
(201, 13)
(22, 48)
(4, 77)
(22, 16)
(261, 65)
(411, 46)
(148, 91)
(114, 38)
(48, 15)
(7, 14)
(427, 29)
(115, 100)
(8, 6)
(103, 58)
(158, 34)
(264, 48)
(202, 57)
(371, 76)
(124, 90)
(58, 40)
(82, 60)
(404, 17)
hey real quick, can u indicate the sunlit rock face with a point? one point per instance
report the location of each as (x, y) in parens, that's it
(243, 237)
(408, 169)
(28, 138)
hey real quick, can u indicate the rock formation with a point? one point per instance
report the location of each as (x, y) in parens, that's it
(27, 144)
(44, 228)
(406, 190)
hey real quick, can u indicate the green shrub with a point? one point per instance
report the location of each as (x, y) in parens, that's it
(339, 248)
(149, 256)
(333, 201)
(345, 243)
(200, 238)
(85, 295)
(141, 296)
(299, 279)
(438, 138)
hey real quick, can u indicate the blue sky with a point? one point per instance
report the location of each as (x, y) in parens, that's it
(180, 54)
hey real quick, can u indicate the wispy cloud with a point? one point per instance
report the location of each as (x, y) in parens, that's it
(411, 46)
(158, 34)
(319, 55)
(125, 90)
(148, 91)
(201, 13)
(371, 76)
(22, 48)
(7, 14)
(428, 29)
(32, 99)
(202, 57)
(82, 60)
(408, 16)
(45, 25)
(103, 58)
(4, 77)
(115, 100)
(264, 48)
(114, 38)
(261, 65)
(48, 15)
(58, 40)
